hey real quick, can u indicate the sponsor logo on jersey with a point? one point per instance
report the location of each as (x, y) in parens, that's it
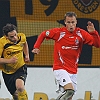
(70, 47)
(12, 53)
(86, 6)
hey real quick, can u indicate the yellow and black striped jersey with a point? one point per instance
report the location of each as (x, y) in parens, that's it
(9, 49)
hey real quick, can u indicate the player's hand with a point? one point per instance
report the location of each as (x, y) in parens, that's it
(13, 60)
(27, 59)
(36, 51)
(90, 27)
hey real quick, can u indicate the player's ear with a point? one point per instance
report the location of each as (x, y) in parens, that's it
(6, 36)
(65, 22)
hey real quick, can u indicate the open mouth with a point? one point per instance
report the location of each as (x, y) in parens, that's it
(71, 29)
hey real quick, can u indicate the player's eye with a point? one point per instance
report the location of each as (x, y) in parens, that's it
(11, 36)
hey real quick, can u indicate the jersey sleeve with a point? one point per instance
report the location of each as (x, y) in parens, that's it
(91, 38)
(49, 34)
(96, 38)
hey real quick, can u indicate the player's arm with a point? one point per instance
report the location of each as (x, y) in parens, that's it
(96, 39)
(94, 33)
(38, 43)
(49, 34)
(26, 52)
(6, 61)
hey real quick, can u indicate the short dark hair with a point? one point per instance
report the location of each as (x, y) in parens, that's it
(70, 14)
(8, 28)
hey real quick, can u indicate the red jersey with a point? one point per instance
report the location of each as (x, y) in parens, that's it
(68, 46)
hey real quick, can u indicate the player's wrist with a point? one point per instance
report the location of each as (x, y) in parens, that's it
(26, 56)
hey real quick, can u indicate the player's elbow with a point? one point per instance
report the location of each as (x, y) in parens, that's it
(97, 45)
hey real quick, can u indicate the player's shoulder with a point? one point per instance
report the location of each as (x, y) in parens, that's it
(2, 39)
(21, 34)
(81, 30)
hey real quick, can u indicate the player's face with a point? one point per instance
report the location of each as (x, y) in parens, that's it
(71, 23)
(12, 36)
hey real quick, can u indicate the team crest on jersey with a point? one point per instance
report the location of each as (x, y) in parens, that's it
(86, 6)
(8, 52)
(76, 41)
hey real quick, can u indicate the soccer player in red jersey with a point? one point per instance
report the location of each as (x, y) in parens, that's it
(67, 49)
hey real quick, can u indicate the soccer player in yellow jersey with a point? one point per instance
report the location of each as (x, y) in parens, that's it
(14, 70)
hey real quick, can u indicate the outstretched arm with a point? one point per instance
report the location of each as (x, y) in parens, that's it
(38, 43)
(48, 34)
(94, 33)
